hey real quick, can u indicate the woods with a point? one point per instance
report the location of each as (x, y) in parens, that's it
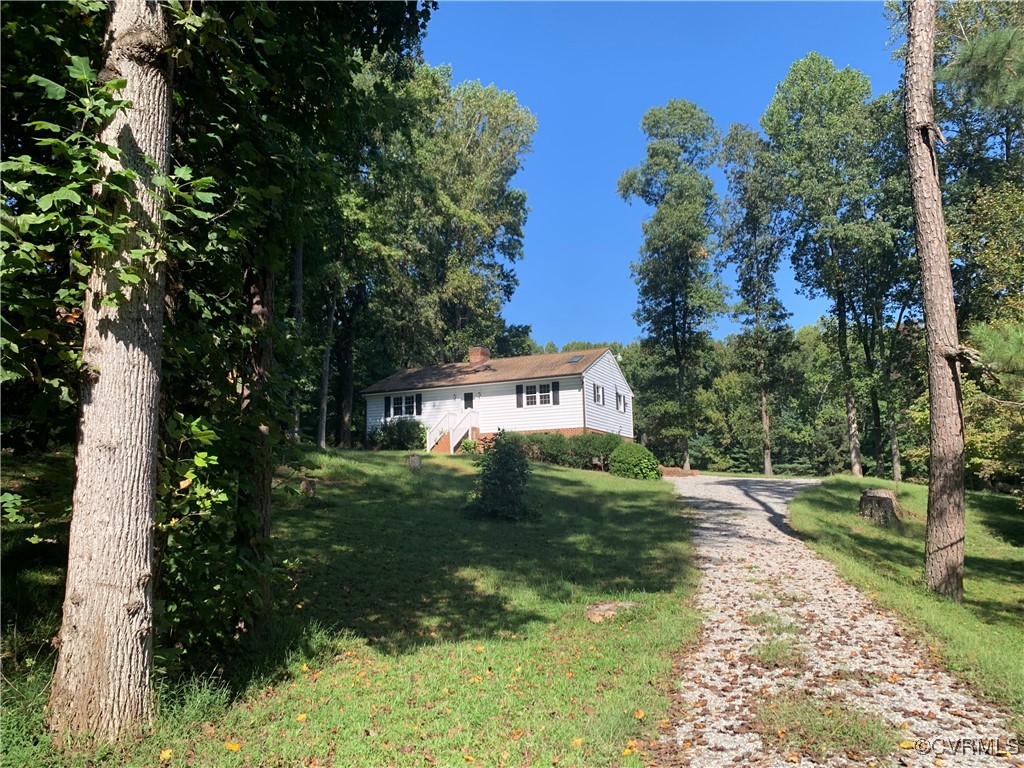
(223, 221)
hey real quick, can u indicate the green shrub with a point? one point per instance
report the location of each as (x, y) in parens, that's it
(504, 472)
(532, 444)
(593, 449)
(554, 449)
(469, 446)
(399, 435)
(633, 460)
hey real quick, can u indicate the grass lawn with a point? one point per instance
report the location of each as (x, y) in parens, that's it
(982, 640)
(411, 634)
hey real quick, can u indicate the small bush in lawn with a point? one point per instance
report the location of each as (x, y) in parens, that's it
(469, 446)
(504, 472)
(633, 460)
(399, 435)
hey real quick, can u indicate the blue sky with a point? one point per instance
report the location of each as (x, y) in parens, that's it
(588, 71)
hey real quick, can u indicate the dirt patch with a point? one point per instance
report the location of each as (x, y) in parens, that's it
(678, 472)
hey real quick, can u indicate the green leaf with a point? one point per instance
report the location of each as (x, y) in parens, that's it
(130, 277)
(53, 90)
(43, 125)
(183, 172)
(80, 70)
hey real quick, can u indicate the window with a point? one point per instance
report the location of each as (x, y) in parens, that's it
(575, 358)
(531, 395)
(403, 405)
(620, 402)
(599, 394)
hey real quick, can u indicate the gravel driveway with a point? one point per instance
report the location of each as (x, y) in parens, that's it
(760, 582)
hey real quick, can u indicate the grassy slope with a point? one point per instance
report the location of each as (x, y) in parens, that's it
(982, 639)
(411, 633)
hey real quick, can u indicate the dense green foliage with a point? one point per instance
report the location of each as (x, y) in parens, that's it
(504, 474)
(825, 185)
(589, 450)
(633, 460)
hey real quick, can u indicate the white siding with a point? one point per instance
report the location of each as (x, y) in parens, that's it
(497, 406)
(605, 372)
(436, 403)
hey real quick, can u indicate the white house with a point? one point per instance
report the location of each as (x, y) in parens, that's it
(567, 392)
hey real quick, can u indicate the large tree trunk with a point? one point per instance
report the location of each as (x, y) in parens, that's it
(766, 434)
(325, 375)
(101, 685)
(852, 431)
(944, 544)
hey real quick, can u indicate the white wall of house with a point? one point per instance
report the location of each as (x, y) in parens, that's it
(499, 410)
(614, 410)
(436, 403)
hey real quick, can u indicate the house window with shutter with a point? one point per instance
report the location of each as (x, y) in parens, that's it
(403, 405)
(530, 395)
(599, 394)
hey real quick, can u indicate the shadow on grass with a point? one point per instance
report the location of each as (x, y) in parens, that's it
(391, 556)
(900, 555)
(1001, 515)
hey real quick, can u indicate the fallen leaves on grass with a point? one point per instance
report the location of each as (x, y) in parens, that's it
(232, 746)
(166, 754)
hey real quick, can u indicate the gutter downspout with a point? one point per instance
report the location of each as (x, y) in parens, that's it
(583, 393)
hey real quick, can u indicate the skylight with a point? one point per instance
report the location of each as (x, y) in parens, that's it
(575, 358)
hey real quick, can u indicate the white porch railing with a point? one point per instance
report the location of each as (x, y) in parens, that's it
(458, 425)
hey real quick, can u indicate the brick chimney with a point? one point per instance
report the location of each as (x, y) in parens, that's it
(479, 354)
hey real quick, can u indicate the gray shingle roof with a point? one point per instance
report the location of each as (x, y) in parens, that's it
(490, 371)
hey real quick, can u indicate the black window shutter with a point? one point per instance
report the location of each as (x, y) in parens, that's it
(419, 405)
(387, 407)
(519, 395)
(554, 393)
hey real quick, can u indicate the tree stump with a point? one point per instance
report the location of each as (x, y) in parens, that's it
(415, 461)
(880, 506)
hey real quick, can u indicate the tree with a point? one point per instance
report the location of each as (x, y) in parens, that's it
(101, 682)
(680, 292)
(754, 242)
(944, 545)
(820, 131)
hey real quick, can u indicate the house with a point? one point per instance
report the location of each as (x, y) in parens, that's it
(567, 392)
